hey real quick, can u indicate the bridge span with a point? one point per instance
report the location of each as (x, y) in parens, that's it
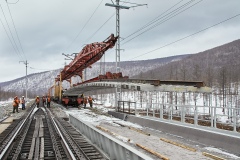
(140, 85)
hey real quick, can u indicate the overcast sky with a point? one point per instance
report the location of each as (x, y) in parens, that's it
(48, 28)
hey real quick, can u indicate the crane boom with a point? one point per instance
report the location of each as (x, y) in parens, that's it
(90, 54)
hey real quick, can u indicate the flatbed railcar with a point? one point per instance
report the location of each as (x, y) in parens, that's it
(76, 100)
(73, 101)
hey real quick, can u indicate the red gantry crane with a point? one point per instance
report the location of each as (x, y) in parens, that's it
(90, 54)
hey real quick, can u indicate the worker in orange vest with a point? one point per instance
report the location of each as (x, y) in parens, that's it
(85, 101)
(15, 104)
(23, 103)
(44, 100)
(48, 101)
(90, 101)
(37, 101)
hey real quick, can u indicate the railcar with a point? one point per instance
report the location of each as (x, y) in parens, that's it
(73, 101)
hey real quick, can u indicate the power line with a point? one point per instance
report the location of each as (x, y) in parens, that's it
(100, 27)
(12, 3)
(187, 36)
(41, 69)
(152, 21)
(9, 38)
(11, 34)
(168, 15)
(16, 31)
(84, 26)
(161, 22)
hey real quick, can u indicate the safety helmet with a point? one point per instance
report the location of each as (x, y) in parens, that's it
(22, 96)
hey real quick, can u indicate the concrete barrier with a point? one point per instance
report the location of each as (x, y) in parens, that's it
(114, 148)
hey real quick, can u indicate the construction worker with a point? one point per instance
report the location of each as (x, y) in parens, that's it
(37, 101)
(82, 97)
(90, 101)
(23, 103)
(85, 101)
(44, 100)
(18, 100)
(15, 104)
(48, 101)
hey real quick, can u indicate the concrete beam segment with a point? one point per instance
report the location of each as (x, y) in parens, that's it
(137, 87)
(115, 149)
(219, 138)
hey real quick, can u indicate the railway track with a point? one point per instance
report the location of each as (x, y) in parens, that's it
(40, 135)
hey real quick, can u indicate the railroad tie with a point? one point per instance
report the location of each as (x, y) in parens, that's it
(38, 132)
(35, 133)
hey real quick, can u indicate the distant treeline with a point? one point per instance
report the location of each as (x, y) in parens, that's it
(5, 95)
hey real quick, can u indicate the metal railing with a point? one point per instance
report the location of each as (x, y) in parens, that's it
(209, 116)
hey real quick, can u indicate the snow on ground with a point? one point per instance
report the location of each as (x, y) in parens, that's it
(232, 156)
(95, 119)
(6, 108)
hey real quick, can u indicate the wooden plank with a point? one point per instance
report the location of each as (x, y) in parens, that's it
(140, 131)
(177, 144)
(212, 156)
(153, 152)
(132, 128)
(114, 134)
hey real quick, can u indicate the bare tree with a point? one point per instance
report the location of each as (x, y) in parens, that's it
(196, 72)
(183, 71)
(222, 83)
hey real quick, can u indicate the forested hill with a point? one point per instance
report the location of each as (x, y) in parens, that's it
(218, 66)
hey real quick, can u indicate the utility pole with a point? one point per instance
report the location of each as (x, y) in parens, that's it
(26, 63)
(118, 7)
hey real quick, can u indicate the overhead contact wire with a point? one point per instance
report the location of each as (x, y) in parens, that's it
(9, 38)
(100, 27)
(188, 36)
(152, 21)
(161, 22)
(84, 26)
(16, 32)
(14, 42)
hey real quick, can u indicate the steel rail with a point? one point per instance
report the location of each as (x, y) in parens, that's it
(72, 142)
(14, 136)
(4, 119)
(62, 137)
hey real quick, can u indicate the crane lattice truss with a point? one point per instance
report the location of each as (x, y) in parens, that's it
(90, 54)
